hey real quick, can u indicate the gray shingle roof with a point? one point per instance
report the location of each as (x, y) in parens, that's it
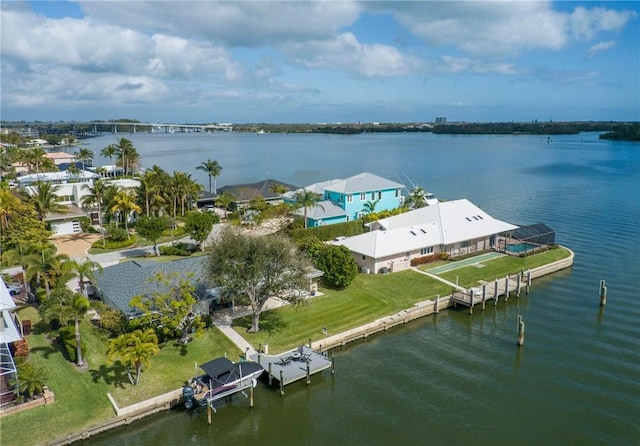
(119, 283)
(363, 182)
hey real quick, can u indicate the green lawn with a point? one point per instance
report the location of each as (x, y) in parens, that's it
(469, 276)
(369, 297)
(81, 396)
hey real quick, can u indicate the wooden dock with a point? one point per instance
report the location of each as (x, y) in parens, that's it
(506, 286)
(293, 365)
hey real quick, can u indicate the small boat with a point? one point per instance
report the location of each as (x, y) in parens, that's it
(222, 377)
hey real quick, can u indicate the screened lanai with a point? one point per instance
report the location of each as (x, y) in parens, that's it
(529, 238)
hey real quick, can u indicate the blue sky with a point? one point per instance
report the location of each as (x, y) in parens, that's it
(329, 61)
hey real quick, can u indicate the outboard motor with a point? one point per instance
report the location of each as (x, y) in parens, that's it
(187, 395)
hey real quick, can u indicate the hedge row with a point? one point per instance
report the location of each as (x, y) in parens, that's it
(110, 244)
(329, 232)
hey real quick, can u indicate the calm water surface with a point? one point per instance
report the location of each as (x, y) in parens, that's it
(453, 378)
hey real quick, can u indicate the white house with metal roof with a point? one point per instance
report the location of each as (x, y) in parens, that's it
(455, 227)
(345, 199)
(9, 333)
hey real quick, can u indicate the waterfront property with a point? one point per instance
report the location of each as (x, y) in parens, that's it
(454, 228)
(244, 193)
(116, 285)
(348, 199)
(71, 189)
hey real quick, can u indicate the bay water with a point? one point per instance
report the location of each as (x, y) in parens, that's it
(452, 378)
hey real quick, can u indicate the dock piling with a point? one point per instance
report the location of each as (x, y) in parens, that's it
(506, 288)
(518, 279)
(251, 396)
(471, 301)
(484, 295)
(281, 383)
(308, 374)
(528, 280)
(436, 307)
(603, 293)
(495, 292)
(333, 363)
(270, 375)
(520, 341)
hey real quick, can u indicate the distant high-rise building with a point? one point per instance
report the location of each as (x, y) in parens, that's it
(441, 119)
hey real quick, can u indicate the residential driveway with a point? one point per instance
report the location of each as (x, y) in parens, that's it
(74, 245)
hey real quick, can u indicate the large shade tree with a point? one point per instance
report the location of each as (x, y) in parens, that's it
(253, 269)
(213, 170)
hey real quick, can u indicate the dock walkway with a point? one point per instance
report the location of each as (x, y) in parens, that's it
(293, 365)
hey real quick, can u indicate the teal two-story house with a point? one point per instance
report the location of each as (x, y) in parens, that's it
(349, 199)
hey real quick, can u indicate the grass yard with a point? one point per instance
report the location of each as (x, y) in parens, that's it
(81, 395)
(369, 297)
(469, 276)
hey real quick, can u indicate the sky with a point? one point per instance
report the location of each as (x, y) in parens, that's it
(311, 62)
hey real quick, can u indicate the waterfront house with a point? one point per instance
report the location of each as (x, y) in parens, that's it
(346, 200)
(71, 191)
(116, 285)
(244, 193)
(454, 228)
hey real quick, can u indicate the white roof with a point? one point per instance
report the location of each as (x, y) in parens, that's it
(65, 175)
(440, 224)
(363, 182)
(324, 209)
(380, 244)
(8, 332)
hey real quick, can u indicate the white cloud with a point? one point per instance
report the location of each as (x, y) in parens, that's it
(601, 46)
(587, 23)
(497, 29)
(346, 53)
(237, 23)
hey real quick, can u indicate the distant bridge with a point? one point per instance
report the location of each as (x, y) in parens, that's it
(161, 126)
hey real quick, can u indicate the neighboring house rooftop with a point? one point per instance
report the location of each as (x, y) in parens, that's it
(118, 284)
(323, 209)
(440, 224)
(245, 192)
(58, 177)
(363, 182)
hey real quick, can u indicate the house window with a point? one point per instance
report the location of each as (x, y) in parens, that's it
(425, 251)
(348, 218)
(397, 193)
(464, 244)
(349, 198)
(379, 195)
(364, 258)
(363, 196)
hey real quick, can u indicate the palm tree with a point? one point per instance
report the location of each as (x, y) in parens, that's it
(416, 198)
(124, 203)
(150, 190)
(109, 151)
(84, 270)
(278, 189)
(46, 200)
(307, 200)
(9, 204)
(134, 349)
(213, 169)
(370, 206)
(224, 201)
(95, 197)
(31, 379)
(83, 155)
(45, 266)
(78, 307)
(182, 188)
(126, 155)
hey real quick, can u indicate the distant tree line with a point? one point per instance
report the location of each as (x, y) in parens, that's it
(623, 132)
(529, 128)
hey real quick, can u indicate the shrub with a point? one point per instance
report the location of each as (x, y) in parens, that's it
(179, 249)
(423, 260)
(110, 244)
(111, 320)
(21, 348)
(329, 232)
(117, 234)
(443, 256)
(85, 224)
